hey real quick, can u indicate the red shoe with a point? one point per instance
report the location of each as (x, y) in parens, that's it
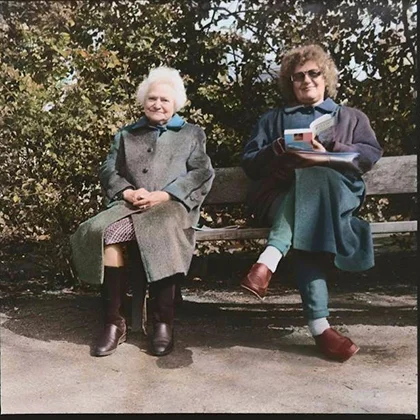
(257, 280)
(335, 346)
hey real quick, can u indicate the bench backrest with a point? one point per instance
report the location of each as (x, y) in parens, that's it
(391, 175)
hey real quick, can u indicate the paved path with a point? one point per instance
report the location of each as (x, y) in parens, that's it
(232, 356)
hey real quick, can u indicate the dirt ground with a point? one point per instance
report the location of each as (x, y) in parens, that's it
(233, 353)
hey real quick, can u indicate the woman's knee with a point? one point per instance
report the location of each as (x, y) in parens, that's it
(318, 175)
(114, 255)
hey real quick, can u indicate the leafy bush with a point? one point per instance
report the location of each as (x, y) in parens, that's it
(69, 71)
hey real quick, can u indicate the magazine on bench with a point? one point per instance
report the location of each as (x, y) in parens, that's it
(339, 160)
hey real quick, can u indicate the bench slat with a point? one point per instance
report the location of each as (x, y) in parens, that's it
(232, 234)
(394, 227)
(262, 233)
(391, 175)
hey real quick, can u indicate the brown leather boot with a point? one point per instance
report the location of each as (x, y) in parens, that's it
(115, 328)
(257, 280)
(162, 303)
(162, 342)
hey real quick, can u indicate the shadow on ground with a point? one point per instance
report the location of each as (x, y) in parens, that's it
(216, 313)
(76, 319)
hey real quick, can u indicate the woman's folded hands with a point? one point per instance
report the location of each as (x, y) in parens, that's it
(144, 199)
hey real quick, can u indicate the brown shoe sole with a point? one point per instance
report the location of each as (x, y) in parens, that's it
(352, 351)
(253, 292)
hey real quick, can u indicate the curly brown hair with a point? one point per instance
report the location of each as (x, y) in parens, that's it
(299, 56)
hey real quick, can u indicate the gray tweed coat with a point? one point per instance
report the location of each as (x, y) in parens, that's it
(172, 159)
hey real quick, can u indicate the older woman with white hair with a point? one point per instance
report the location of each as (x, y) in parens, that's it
(155, 178)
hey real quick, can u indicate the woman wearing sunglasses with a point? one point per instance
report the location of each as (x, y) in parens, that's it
(312, 210)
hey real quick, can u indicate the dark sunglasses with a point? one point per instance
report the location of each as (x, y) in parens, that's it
(300, 76)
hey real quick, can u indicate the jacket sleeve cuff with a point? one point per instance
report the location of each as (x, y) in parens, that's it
(278, 146)
(190, 201)
(117, 187)
(119, 195)
(340, 147)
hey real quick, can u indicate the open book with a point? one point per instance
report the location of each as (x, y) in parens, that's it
(301, 138)
(299, 142)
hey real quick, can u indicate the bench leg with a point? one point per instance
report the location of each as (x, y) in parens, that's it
(139, 308)
(138, 283)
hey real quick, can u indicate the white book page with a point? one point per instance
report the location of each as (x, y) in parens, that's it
(322, 124)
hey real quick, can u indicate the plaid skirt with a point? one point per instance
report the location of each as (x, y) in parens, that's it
(120, 231)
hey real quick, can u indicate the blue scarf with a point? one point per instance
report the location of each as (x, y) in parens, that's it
(174, 124)
(326, 107)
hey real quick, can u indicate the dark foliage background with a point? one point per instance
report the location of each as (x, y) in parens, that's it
(69, 70)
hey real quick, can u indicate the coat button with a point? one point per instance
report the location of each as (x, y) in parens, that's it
(145, 170)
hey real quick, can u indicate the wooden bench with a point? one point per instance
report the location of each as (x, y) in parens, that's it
(391, 175)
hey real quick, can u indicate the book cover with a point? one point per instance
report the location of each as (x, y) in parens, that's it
(301, 138)
(298, 139)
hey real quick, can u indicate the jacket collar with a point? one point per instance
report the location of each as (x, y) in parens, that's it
(325, 107)
(174, 124)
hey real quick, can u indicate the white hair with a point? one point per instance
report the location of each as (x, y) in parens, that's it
(168, 76)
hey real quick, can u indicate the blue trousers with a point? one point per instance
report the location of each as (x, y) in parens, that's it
(318, 217)
(310, 267)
